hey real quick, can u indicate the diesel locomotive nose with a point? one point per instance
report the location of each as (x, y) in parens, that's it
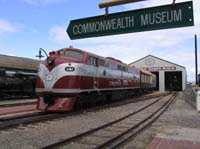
(51, 58)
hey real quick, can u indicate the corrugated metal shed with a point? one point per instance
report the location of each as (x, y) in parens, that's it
(18, 62)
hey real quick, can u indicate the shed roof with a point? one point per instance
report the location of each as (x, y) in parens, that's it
(18, 62)
(156, 58)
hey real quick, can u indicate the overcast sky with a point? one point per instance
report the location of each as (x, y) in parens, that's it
(27, 25)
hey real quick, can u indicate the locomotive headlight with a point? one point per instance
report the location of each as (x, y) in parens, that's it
(69, 68)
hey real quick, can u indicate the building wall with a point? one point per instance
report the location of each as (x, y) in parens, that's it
(152, 63)
(161, 80)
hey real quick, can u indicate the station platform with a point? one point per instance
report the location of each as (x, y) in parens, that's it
(20, 101)
(11, 108)
(18, 109)
(176, 138)
(180, 127)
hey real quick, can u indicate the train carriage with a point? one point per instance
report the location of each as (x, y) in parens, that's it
(147, 79)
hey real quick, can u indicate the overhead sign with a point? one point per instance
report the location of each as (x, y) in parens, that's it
(154, 18)
(159, 68)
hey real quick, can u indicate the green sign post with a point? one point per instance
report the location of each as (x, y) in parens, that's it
(154, 18)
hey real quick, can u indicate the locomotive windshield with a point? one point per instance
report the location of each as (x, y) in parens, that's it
(74, 54)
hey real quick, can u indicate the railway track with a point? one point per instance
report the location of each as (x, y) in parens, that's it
(24, 119)
(17, 104)
(10, 122)
(116, 133)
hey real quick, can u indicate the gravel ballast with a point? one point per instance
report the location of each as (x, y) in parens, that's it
(41, 134)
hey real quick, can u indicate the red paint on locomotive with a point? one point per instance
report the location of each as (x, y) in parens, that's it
(70, 72)
(61, 104)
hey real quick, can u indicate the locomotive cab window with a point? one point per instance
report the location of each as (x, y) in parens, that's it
(74, 54)
(119, 67)
(92, 61)
(124, 68)
(103, 63)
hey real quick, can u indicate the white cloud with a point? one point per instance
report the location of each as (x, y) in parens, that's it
(58, 34)
(175, 45)
(146, 40)
(170, 45)
(184, 57)
(10, 54)
(152, 3)
(7, 27)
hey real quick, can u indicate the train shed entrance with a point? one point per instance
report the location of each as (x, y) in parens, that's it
(169, 75)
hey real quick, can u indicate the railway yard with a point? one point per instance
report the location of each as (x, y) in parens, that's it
(91, 128)
(102, 92)
(96, 102)
(113, 105)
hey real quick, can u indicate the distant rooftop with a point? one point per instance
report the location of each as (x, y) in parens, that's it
(18, 62)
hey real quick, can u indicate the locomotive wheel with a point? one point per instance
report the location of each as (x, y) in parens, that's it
(79, 104)
(90, 100)
(101, 100)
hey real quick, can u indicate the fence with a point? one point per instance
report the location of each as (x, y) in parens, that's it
(192, 96)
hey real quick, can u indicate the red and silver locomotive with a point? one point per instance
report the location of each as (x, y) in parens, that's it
(71, 77)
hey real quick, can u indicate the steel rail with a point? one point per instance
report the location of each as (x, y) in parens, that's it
(13, 121)
(147, 125)
(68, 140)
(17, 104)
(110, 142)
(10, 118)
(26, 119)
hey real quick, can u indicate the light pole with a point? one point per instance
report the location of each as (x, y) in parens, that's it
(40, 53)
(196, 62)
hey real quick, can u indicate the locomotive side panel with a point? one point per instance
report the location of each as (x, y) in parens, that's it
(89, 74)
(72, 76)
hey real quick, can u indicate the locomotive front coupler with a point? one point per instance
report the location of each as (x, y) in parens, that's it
(49, 99)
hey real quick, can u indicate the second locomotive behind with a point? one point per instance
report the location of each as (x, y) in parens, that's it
(72, 77)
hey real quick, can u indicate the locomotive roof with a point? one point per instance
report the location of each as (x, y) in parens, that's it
(98, 56)
(108, 58)
(18, 62)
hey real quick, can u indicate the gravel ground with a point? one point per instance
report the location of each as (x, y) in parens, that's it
(39, 135)
(179, 115)
(42, 134)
